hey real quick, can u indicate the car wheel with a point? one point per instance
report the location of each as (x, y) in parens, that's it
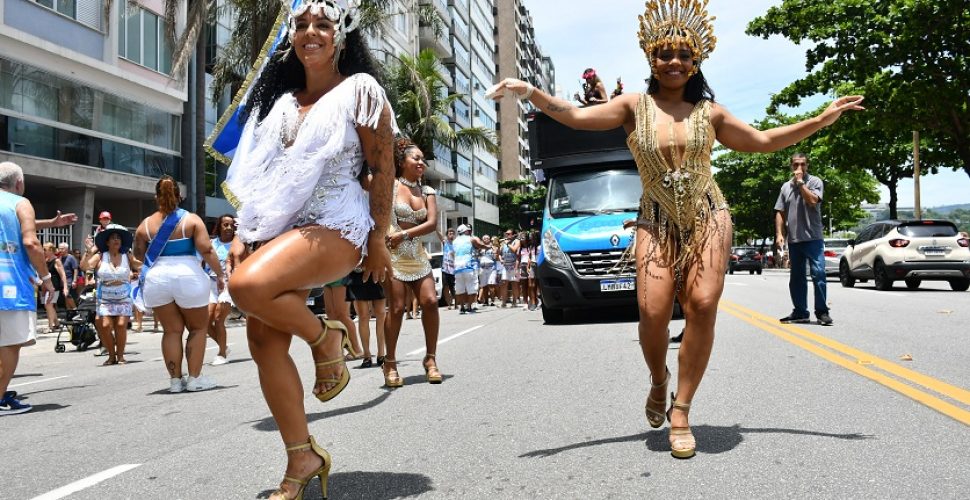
(960, 285)
(553, 316)
(759, 271)
(751, 271)
(913, 283)
(731, 271)
(881, 277)
(845, 276)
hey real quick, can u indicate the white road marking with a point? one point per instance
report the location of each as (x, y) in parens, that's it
(36, 381)
(455, 336)
(87, 482)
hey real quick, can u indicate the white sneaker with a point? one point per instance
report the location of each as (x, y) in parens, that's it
(202, 383)
(177, 385)
(219, 360)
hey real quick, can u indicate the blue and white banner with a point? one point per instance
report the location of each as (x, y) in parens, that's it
(224, 139)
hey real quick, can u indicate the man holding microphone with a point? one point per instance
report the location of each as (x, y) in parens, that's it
(799, 208)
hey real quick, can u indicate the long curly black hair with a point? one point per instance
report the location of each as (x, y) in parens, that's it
(695, 91)
(284, 73)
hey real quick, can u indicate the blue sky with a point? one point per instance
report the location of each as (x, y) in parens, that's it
(744, 71)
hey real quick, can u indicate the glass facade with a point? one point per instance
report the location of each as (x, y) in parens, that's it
(51, 117)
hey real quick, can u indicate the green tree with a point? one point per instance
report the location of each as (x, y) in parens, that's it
(420, 98)
(915, 53)
(515, 199)
(751, 183)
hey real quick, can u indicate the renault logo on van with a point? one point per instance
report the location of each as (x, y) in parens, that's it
(615, 240)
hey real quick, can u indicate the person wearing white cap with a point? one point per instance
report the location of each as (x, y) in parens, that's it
(466, 277)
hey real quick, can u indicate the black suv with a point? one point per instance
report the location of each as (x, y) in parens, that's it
(746, 259)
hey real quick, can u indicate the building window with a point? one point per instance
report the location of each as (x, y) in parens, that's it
(87, 12)
(141, 39)
(47, 97)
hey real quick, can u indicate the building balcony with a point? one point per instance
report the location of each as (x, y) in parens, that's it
(438, 45)
(439, 169)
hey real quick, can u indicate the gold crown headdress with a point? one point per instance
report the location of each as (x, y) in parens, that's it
(674, 22)
(344, 14)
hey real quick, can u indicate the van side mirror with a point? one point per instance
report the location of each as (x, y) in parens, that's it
(852, 243)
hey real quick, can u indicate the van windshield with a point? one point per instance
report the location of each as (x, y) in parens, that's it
(592, 193)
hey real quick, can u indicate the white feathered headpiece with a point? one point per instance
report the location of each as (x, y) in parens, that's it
(344, 14)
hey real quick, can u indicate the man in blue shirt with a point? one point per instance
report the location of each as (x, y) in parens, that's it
(21, 262)
(466, 274)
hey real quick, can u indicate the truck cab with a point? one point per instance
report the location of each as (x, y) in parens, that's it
(592, 187)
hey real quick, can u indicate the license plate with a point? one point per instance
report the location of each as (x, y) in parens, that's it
(933, 250)
(309, 301)
(617, 285)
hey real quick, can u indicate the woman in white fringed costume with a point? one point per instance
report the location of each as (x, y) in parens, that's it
(316, 114)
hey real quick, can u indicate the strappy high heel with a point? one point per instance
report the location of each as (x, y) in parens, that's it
(391, 377)
(323, 472)
(682, 443)
(656, 417)
(432, 372)
(341, 382)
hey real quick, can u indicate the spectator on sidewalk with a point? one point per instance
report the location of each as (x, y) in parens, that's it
(58, 279)
(71, 273)
(18, 275)
(466, 276)
(104, 219)
(448, 268)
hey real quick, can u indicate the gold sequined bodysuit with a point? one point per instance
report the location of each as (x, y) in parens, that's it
(679, 202)
(409, 259)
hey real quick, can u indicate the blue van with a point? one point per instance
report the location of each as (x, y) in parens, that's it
(592, 187)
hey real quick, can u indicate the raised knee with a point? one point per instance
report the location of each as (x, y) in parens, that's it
(244, 291)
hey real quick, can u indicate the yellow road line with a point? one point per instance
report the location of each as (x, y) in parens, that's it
(950, 391)
(959, 414)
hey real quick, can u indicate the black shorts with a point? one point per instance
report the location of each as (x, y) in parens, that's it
(358, 289)
(448, 280)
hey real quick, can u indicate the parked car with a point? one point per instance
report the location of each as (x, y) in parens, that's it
(912, 251)
(834, 247)
(746, 259)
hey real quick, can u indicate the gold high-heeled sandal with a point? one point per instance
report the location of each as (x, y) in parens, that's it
(656, 417)
(682, 443)
(344, 379)
(391, 377)
(323, 472)
(432, 372)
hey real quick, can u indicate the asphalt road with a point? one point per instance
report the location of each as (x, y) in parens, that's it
(535, 411)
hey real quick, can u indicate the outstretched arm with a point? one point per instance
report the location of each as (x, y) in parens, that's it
(739, 136)
(616, 113)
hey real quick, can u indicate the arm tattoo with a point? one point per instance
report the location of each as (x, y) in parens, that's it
(382, 182)
(558, 106)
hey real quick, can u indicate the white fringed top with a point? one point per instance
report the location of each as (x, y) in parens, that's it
(315, 179)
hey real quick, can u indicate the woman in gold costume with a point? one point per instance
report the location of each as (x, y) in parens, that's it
(414, 214)
(683, 232)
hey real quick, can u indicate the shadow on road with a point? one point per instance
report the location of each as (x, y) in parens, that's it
(370, 485)
(710, 439)
(47, 407)
(268, 424)
(24, 375)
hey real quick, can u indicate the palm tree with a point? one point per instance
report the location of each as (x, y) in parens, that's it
(418, 95)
